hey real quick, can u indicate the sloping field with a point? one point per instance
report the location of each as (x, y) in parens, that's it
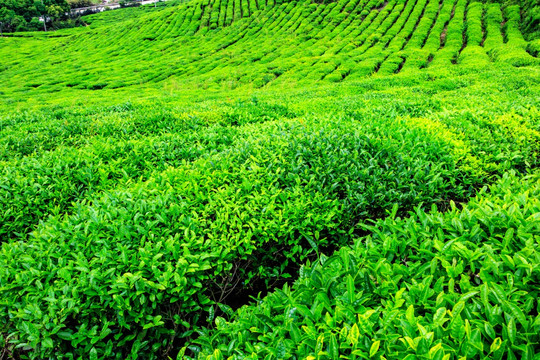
(289, 180)
(224, 45)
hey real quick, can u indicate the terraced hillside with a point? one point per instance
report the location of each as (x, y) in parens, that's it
(277, 180)
(224, 45)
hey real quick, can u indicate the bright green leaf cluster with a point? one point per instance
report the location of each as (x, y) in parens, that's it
(461, 284)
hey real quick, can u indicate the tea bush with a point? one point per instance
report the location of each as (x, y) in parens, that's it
(433, 285)
(168, 243)
(200, 43)
(120, 148)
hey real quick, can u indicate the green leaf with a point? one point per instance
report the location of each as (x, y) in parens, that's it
(517, 313)
(508, 236)
(64, 335)
(181, 353)
(312, 243)
(280, 350)
(351, 289)
(374, 348)
(458, 329)
(490, 331)
(468, 295)
(422, 347)
(511, 329)
(495, 345)
(409, 342)
(93, 354)
(333, 347)
(47, 343)
(438, 318)
(410, 314)
(295, 332)
(458, 308)
(354, 334)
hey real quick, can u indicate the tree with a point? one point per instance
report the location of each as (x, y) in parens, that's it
(20, 15)
(6, 16)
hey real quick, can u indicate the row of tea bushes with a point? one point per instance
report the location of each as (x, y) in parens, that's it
(128, 271)
(531, 18)
(462, 284)
(68, 158)
(201, 44)
(53, 159)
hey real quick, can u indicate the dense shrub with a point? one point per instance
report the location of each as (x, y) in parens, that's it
(170, 242)
(515, 43)
(460, 284)
(95, 157)
(531, 19)
(369, 36)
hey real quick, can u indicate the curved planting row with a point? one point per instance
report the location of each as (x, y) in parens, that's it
(442, 286)
(200, 43)
(136, 266)
(122, 235)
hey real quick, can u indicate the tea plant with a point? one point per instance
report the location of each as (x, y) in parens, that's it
(433, 285)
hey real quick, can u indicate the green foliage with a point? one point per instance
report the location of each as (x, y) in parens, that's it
(62, 161)
(531, 19)
(475, 32)
(185, 205)
(160, 163)
(254, 211)
(533, 48)
(433, 285)
(196, 44)
(82, 3)
(515, 41)
(22, 15)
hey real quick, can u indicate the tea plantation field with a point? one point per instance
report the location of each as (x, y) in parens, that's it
(251, 179)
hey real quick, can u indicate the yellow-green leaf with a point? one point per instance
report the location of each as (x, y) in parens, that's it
(374, 348)
(354, 334)
(495, 345)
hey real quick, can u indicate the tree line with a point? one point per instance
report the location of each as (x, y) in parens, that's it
(35, 15)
